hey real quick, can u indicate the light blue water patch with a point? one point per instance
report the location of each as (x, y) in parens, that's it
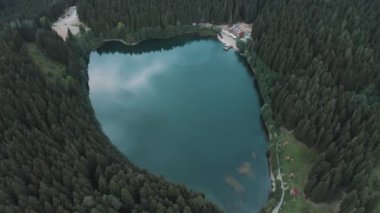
(188, 111)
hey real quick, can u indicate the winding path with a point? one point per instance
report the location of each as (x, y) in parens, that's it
(279, 177)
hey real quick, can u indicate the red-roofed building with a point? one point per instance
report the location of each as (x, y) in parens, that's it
(236, 32)
(294, 192)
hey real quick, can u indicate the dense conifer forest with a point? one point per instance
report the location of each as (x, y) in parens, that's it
(318, 62)
(54, 156)
(323, 82)
(30, 9)
(145, 14)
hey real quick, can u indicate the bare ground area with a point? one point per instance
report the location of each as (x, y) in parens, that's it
(69, 20)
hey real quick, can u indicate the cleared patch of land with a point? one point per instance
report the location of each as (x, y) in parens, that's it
(54, 71)
(296, 161)
(49, 67)
(68, 21)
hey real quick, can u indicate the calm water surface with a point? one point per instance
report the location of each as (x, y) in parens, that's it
(187, 110)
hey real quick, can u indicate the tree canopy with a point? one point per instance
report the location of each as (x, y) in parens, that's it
(322, 80)
(317, 63)
(54, 156)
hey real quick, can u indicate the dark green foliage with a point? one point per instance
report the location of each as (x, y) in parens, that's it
(317, 63)
(104, 16)
(242, 45)
(53, 46)
(325, 57)
(54, 156)
(29, 9)
(351, 202)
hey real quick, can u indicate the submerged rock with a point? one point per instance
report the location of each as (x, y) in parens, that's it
(245, 169)
(231, 181)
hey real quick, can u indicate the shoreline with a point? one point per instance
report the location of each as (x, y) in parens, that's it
(101, 41)
(269, 152)
(220, 32)
(272, 157)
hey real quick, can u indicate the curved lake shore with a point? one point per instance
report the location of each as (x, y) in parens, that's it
(185, 109)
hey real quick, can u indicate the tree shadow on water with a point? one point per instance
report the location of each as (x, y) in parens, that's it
(156, 45)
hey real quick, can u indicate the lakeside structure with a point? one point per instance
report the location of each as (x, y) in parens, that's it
(229, 35)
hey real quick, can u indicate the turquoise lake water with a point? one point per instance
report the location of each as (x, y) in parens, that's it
(186, 110)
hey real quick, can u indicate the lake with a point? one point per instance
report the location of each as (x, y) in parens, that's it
(186, 110)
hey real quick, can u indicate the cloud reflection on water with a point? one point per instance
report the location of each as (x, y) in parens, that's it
(107, 77)
(192, 116)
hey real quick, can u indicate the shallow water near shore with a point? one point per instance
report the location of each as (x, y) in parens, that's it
(185, 109)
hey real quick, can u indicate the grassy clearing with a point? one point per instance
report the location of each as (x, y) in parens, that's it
(296, 161)
(375, 184)
(49, 67)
